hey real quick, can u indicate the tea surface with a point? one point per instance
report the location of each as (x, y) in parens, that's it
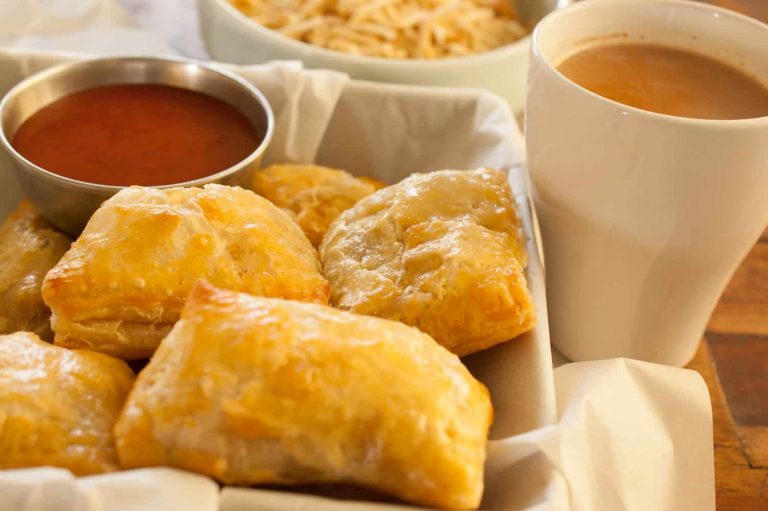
(667, 80)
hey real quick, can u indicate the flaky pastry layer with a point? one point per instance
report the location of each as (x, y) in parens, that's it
(58, 406)
(441, 251)
(29, 247)
(255, 390)
(123, 283)
(316, 195)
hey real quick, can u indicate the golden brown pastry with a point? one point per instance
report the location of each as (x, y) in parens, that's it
(58, 406)
(317, 195)
(442, 252)
(29, 247)
(121, 286)
(255, 390)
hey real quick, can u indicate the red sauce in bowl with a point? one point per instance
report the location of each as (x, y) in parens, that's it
(136, 135)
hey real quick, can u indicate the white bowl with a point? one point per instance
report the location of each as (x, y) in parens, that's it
(232, 37)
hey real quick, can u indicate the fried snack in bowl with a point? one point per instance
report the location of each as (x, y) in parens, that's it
(441, 251)
(58, 406)
(122, 285)
(316, 195)
(395, 29)
(252, 390)
(29, 247)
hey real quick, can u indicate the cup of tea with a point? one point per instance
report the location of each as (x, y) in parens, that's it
(647, 140)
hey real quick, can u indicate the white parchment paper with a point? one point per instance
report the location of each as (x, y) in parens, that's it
(621, 435)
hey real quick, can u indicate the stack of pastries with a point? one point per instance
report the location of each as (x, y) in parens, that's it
(252, 376)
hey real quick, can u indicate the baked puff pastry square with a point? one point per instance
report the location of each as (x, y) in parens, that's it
(315, 194)
(58, 406)
(29, 247)
(441, 251)
(253, 390)
(121, 286)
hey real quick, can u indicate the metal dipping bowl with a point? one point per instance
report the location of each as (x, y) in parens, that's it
(69, 203)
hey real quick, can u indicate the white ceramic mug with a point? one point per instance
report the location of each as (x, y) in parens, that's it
(644, 216)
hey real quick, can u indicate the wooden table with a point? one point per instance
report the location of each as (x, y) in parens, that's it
(734, 362)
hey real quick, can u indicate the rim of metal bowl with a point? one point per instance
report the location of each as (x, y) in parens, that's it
(96, 187)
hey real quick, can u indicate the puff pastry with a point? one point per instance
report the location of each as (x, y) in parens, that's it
(29, 247)
(58, 406)
(442, 252)
(256, 390)
(121, 286)
(315, 194)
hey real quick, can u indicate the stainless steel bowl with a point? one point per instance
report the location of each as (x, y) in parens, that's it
(69, 203)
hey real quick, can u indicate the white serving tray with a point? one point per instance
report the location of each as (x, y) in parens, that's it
(389, 132)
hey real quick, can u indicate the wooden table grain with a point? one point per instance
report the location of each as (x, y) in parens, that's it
(733, 359)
